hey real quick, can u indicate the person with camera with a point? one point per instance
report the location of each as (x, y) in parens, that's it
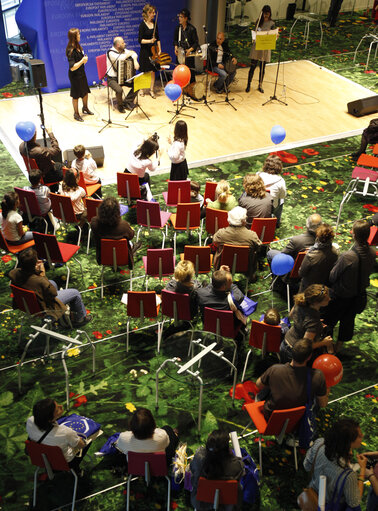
(140, 163)
(371, 473)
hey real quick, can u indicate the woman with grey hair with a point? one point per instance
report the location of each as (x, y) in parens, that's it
(274, 183)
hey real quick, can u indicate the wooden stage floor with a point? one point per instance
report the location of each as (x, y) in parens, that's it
(316, 111)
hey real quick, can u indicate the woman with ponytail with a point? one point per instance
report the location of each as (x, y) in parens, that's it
(223, 197)
(11, 221)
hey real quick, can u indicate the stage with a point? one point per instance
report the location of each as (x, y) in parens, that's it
(316, 111)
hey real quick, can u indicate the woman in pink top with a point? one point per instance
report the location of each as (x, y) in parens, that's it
(70, 188)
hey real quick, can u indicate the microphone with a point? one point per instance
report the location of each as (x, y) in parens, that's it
(204, 27)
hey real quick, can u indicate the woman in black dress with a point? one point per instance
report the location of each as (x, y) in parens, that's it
(76, 73)
(147, 38)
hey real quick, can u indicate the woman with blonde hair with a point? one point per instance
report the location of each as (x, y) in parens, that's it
(224, 199)
(255, 199)
(148, 37)
(274, 183)
(183, 282)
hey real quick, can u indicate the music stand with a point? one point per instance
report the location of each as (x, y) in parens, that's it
(108, 122)
(142, 85)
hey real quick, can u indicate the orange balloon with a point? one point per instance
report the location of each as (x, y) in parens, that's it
(181, 75)
(331, 367)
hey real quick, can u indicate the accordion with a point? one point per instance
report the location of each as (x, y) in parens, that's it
(126, 70)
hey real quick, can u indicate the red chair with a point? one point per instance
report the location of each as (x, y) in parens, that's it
(178, 192)
(177, 307)
(294, 275)
(13, 249)
(281, 423)
(50, 458)
(142, 304)
(92, 206)
(26, 300)
(158, 262)
(30, 205)
(114, 253)
(30, 164)
(236, 257)
(266, 338)
(217, 492)
(128, 186)
(147, 465)
(187, 218)
(150, 216)
(373, 238)
(90, 190)
(264, 228)
(201, 257)
(63, 210)
(210, 187)
(54, 251)
(215, 219)
(101, 73)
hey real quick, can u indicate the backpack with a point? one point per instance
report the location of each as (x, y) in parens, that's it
(250, 482)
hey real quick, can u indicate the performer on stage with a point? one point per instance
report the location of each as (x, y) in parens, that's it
(220, 58)
(186, 42)
(260, 57)
(148, 37)
(116, 55)
(78, 79)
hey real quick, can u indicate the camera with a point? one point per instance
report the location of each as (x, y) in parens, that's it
(371, 462)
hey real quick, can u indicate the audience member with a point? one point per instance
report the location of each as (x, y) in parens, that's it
(349, 279)
(224, 199)
(369, 136)
(195, 195)
(331, 456)
(176, 152)
(274, 184)
(371, 474)
(76, 193)
(319, 260)
(182, 282)
(30, 274)
(85, 163)
(272, 317)
(12, 226)
(307, 323)
(287, 383)
(215, 461)
(42, 193)
(255, 199)
(140, 162)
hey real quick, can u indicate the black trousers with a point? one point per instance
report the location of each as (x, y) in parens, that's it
(343, 310)
(113, 84)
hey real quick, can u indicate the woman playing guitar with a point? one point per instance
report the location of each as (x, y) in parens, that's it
(148, 39)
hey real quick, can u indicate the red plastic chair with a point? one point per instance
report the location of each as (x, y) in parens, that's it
(26, 300)
(236, 257)
(90, 190)
(210, 187)
(265, 337)
(30, 205)
(63, 210)
(147, 465)
(101, 73)
(30, 164)
(178, 192)
(142, 304)
(264, 228)
(128, 186)
(114, 253)
(149, 215)
(373, 238)
(187, 218)
(158, 262)
(201, 257)
(50, 458)
(92, 206)
(368, 160)
(54, 251)
(217, 492)
(177, 307)
(281, 423)
(13, 249)
(215, 219)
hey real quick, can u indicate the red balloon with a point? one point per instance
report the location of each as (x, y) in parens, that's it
(331, 367)
(181, 75)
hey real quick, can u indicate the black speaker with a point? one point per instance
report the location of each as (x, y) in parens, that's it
(37, 73)
(96, 151)
(363, 106)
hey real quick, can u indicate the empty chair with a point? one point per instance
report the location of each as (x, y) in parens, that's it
(217, 492)
(187, 218)
(178, 192)
(90, 190)
(114, 253)
(150, 216)
(92, 206)
(142, 304)
(265, 229)
(158, 262)
(128, 186)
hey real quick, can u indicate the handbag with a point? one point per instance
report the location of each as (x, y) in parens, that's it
(308, 499)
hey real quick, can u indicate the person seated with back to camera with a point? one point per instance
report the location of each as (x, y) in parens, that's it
(274, 183)
(42, 193)
(224, 200)
(255, 199)
(215, 461)
(76, 193)
(11, 222)
(272, 317)
(183, 282)
(85, 163)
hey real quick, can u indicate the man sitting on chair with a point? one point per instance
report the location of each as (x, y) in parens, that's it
(220, 57)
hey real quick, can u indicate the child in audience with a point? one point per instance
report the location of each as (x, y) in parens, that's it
(195, 195)
(140, 162)
(272, 317)
(224, 199)
(11, 221)
(176, 153)
(85, 163)
(70, 188)
(42, 193)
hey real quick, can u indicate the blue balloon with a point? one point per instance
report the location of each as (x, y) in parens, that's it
(277, 134)
(173, 91)
(282, 264)
(25, 130)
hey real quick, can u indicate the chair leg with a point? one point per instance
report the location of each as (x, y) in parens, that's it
(295, 456)
(260, 458)
(247, 426)
(79, 238)
(75, 489)
(128, 493)
(102, 282)
(89, 239)
(245, 365)
(174, 245)
(127, 335)
(68, 275)
(163, 233)
(35, 487)
(168, 493)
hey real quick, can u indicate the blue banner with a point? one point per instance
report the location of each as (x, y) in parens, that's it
(5, 75)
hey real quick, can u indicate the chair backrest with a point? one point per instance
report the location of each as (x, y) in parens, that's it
(368, 160)
(188, 215)
(294, 274)
(3, 242)
(47, 247)
(25, 300)
(160, 261)
(176, 305)
(199, 256)
(54, 455)
(373, 237)
(157, 465)
(236, 257)
(101, 66)
(28, 202)
(278, 419)
(178, 192)
(218, 492)
(210, 187)
(81, 182)
(262, 333)
(128, 185)
(63, 208)
(141, 304)
(114, 252)
(219, 322)
(264, 228)
(148, 213)
(30, 163)
(92, 206)
(216, 219)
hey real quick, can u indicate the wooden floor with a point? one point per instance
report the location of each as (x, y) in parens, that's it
(316, 110)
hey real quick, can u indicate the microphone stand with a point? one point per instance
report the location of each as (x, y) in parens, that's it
(274, 97)
(226, 100)
(206, 68)
(108, 122)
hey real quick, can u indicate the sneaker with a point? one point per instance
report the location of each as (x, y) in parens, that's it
(83, 321)
(121, 109)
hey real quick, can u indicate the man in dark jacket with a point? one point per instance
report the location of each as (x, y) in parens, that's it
(220, 57)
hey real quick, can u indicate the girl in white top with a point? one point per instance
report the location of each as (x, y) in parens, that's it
(85, 163)
(176, 153)
(140, 161)
(70, 188)
(274, 183)
(11, 221)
